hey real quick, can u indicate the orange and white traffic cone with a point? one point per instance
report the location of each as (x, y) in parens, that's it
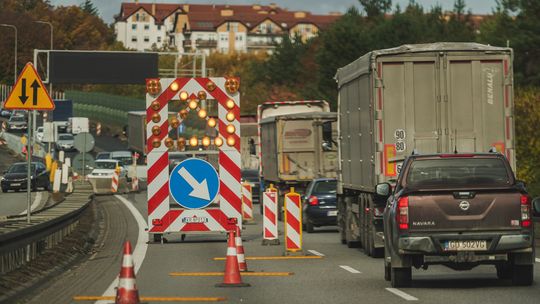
(126, 292)
(242, 265)
(232, 276)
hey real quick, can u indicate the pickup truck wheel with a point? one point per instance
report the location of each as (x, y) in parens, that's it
(401, 277)
(387, 271)
(504, 271)
(522, 275)
(309, 227)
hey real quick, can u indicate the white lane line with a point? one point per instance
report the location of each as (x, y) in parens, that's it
(139, 253)
(349, 269)
(315, 252)
(402, 294)
(35, 204)
(537, 260)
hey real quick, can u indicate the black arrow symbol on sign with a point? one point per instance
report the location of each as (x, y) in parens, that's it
(23, 96)
(35, 86)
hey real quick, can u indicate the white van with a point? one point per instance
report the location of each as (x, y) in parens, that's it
(78, 125)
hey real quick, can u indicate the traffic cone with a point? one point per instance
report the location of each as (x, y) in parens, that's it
(126, 292)
(242, 265)
(232, 272)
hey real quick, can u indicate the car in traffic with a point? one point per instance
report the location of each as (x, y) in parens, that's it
(15, 178)
(251, 176)
(17, 123)
(39, 134)
(460, 211)
(5, 113)
(319, 204)
(103, 155)
(105, 168)
(65, 142)
(123, 157)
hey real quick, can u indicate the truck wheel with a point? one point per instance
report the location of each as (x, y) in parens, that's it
(157, 238)
(504, 271)
(400, 277)
(522, 275)
(351, 243)
(387, 271)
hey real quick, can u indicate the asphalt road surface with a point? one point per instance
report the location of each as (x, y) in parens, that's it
(342, 275)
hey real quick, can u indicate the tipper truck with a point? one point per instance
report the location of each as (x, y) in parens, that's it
(297, 144)
(424, 98)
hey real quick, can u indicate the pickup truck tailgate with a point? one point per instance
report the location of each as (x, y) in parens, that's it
(479, 211)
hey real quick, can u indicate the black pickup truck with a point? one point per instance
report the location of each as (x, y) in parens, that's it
(460, 211)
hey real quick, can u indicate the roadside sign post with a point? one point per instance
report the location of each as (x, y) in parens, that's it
(21, 99)
(84, 142)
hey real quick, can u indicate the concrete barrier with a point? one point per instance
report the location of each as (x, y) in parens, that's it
(14, 143)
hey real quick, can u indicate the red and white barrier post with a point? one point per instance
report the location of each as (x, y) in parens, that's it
(270, 209)
(247, 203)
(293, 223)
(114, 182)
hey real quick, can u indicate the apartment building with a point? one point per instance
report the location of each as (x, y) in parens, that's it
(214, 28)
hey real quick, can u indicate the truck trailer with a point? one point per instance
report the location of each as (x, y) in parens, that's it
(298, 142)
(424, 98)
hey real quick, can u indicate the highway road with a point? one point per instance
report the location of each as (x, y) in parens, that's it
(342, 275)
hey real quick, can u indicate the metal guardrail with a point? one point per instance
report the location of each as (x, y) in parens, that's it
(22, 242)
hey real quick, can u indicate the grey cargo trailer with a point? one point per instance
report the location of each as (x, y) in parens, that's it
(429, 98)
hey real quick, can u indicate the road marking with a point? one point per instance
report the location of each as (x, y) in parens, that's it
(292, 257)
(140, 248)
(35, 204)
(349, 269)
(216, 274)
(153, 299)
(537, 260)
(316, 253)
(402, 294)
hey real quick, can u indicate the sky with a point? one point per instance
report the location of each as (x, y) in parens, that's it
(108, 8)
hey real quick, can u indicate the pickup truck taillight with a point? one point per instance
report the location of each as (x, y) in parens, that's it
(313, 200)
(403, 213)
(525, 211)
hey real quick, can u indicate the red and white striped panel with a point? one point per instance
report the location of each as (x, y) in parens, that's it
(114, 182)
(293, 222)
(247, 202)
(270, 229)
(160, 217)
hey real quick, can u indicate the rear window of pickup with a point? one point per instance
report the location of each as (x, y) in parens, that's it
(457, 172)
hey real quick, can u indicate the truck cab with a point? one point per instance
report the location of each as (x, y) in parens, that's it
(459, 210)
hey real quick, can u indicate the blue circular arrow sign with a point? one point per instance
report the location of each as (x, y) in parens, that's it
(194, 183)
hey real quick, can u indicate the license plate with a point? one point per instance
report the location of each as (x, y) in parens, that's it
(332, 213)
(16, 184)
(472, 245)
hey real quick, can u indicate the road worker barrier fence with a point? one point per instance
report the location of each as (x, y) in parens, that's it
(247, 203)
(293, 222)
(22, 242)
(270, 228)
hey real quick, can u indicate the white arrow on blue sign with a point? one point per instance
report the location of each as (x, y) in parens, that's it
(194, 183)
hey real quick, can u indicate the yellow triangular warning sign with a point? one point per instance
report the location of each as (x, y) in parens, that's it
(29, 93)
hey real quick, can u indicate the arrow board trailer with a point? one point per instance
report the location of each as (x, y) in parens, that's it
(194, 195)
(428, 98)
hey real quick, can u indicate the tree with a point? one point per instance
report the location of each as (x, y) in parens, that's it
(88, 7)
(376, 8)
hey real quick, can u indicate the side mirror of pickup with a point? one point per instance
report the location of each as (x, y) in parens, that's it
(536, 206)
(382, 192)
